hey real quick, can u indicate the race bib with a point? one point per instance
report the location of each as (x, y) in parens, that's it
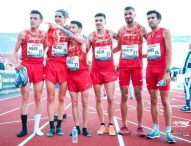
(103, 53)
(130, 51)
(34, 50)
(153, 51)
(60, 50)
(73, 63)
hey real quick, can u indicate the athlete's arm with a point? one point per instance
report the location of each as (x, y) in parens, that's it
(144, 35)
(168, 45)
(15, 51)
(113, 34)
(89, 42)
(118, 48)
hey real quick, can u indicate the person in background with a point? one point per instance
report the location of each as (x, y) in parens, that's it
(186, 70)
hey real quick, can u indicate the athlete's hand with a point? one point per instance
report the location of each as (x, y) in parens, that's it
(17, 66)
(166, 77)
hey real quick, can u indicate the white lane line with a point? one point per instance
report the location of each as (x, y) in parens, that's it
(179, 138)
(32, 135)
(19, 108)
(120, 138)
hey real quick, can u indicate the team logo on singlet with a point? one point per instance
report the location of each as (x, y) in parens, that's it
(34, 50)
(130, 51)
(103, 53)
(153, 51)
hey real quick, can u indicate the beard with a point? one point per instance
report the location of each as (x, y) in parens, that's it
(129, 21)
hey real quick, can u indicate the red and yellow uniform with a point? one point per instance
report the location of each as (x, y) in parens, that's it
(56, 70)
(130, 64)
(156, 58)
(103, 69)
(32, 49)
(79, 79)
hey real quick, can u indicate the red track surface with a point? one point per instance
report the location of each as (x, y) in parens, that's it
(10, 124)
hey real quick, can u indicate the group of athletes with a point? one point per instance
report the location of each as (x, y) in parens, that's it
(60, 56)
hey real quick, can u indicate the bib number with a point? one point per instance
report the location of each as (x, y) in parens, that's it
(34, 50)
(73, 63)
(130, 51)
(60, 50)
(153, 51)
(103, 53)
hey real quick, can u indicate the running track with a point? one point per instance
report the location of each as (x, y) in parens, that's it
(10, 123)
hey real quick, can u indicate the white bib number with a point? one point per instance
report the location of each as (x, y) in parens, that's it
(130, 51)
(103, 53)
(60, 50)
(34, 50)
(73, 63)
(153, 51)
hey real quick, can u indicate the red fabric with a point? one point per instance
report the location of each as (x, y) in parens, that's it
(130, 37)
(38, 38)
(157, 37)
(104, 65)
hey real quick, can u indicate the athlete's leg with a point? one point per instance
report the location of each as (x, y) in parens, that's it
(61, 99)
(24, 109)
(75, 111)
(138, 96)
(99, 108)
(110, 88)
(38, 87)
(50, 87)
(166, 105)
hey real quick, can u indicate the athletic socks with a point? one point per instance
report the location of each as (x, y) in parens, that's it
(24, 126)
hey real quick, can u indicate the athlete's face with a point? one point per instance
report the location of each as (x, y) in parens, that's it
(74, 28)
(59, 18)
(35, 20)
(152, 20)
(100, 22)
(129, 16)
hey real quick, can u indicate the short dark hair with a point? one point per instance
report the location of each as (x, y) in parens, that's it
(129, 8)
(155, 12)
(37, 12)
(100, 14)
(79, 24)
(64, 13)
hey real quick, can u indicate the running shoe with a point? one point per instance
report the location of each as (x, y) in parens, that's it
(153, 134)
(111, 130)
(51, 132)
(59, 131)
(124, 130)
(169, 138)
(18, 80)
(185, 109)
(101, 130)
(140, 131)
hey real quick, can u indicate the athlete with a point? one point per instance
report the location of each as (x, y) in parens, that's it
(56, 71)
(103, 70)
(159, 57)
(32, 44)
(130, 66)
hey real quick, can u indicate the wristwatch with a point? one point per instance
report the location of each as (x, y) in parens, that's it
(167, 70)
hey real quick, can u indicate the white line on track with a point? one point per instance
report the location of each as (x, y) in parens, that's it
(19, 108)
(32, 135)
(120, 138)
(179, 138)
